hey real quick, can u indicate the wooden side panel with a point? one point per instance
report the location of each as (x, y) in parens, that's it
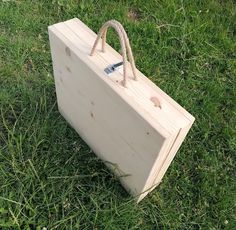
(171, 155)
(115, 131)
(160, 172)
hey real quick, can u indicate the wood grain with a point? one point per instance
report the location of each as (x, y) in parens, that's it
(136, 130)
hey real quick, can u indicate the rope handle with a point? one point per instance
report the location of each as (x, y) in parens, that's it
(124, 42)
(127, 44)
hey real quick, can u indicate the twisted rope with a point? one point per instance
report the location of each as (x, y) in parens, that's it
(124, 42)
(127, 44)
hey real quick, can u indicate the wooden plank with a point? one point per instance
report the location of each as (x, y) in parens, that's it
(161, 157)
(82, 100)
(111, 56)
(134, 137)
(74, 25)
(137, 91)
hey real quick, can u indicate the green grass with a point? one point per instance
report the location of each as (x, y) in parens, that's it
(48, 175)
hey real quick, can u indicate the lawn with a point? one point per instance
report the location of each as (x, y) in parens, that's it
(49, 177)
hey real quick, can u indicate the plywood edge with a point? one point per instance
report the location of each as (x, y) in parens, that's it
(172, 154)
(157, 165)
(156, 178)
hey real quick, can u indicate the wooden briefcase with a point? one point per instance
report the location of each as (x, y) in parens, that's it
(126, 119)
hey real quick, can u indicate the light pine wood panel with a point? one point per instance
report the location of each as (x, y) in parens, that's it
(135, 139)
(111, 56)
(104, 120)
